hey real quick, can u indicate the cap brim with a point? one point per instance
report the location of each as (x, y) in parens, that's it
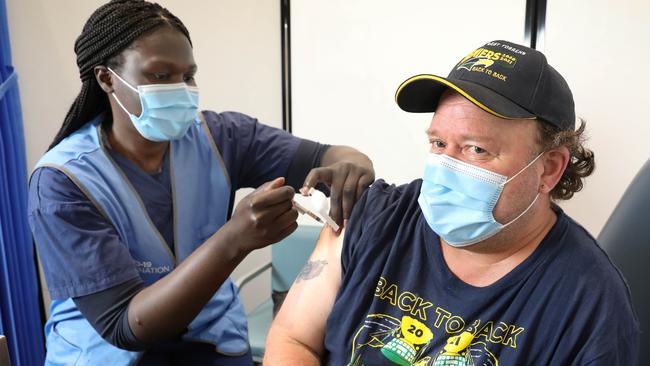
(421, 93)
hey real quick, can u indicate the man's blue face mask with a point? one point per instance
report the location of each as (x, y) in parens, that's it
(457, 199)
(168, 110)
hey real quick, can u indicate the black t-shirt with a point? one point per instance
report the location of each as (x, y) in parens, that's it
(399, 304)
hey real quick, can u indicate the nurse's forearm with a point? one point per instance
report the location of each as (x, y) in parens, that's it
(339, 153)
(164, 309)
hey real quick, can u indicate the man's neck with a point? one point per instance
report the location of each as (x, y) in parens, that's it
(484, 263)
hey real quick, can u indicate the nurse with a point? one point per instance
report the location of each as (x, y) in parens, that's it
(131, 207)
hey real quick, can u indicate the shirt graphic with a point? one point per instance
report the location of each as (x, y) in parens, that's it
(407, 340)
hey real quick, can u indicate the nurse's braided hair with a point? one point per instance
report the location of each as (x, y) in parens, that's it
(111, 29)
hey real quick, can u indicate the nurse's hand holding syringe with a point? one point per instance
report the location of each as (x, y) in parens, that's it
(316, 205)
(165, 308)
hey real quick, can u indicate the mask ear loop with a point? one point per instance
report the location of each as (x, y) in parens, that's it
(125, 83)
(522, 214)
(537, 196)
(122, 80)
(121, 105)
(524, 168)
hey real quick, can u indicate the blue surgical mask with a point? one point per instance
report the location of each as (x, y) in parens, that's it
(457, 199)
(168, 110)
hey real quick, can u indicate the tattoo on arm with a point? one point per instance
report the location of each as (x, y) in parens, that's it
(311, 270)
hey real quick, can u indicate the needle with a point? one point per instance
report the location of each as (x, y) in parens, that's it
(303, 210)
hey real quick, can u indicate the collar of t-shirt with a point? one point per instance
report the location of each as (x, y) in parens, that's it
(543, 252)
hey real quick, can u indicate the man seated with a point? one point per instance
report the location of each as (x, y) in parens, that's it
(474, 264)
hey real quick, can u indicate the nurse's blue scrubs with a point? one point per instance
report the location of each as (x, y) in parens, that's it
(83, 253)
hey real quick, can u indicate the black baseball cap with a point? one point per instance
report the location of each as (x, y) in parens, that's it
(503, 78)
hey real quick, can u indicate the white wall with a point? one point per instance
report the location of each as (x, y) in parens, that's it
(236, 46)
(599, 46)
(349, 57)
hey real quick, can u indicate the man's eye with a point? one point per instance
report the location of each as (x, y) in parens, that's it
(160, 76)
(438, 144)
(478, 150)
(188, 78)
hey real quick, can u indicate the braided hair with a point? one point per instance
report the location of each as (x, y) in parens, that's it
(111, 29)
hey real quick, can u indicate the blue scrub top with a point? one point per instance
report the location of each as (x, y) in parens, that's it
(80, 250)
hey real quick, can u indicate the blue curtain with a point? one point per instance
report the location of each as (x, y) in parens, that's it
(19, 297)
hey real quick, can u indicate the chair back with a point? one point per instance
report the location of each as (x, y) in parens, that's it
(626, 238)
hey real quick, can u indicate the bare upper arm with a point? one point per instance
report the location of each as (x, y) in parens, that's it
(303, 316)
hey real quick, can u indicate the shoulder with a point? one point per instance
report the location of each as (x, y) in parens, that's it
(83, 141)
(588, 273)
(383, 210)
(598, 295)
(381, 194)
(382, 199)
(50, 187)
(231, 132)
(225, 120)
(581, 249)
(235, 130)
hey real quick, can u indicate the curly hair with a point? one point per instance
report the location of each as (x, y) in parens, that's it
(581, 160)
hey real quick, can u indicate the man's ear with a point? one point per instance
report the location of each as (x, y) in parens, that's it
(555, 162)
(104, 78)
